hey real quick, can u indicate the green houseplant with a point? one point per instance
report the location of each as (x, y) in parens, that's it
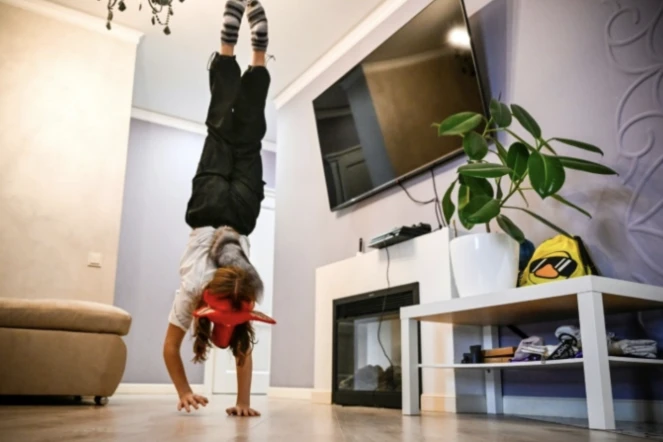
(486, 188)
(493, 180)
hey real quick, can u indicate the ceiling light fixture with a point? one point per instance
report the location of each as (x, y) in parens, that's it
(157, 6)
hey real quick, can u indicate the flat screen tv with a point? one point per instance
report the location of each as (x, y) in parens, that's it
(374, 124)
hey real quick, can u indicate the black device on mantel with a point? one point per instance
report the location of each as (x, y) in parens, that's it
(398, 235)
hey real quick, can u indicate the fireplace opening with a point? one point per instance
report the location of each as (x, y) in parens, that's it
(367, 347)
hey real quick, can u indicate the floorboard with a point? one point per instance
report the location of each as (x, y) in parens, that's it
(155, 418)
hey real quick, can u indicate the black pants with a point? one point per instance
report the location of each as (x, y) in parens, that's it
(228, 186)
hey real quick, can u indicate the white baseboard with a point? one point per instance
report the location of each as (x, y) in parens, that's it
(438, 403)
(289, 393)
(321, 397)
(156, 389)
(625, 410)
(453, 404)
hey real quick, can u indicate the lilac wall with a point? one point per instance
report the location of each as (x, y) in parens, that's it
(269, 168)
(605, 70)
(554, 58)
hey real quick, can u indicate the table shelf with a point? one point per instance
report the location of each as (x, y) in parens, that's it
(563, 363)
(587, 299)
(540, 303)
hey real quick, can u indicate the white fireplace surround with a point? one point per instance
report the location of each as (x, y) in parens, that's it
(423, 260)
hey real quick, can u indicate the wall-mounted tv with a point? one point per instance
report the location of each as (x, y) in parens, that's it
(374, 124)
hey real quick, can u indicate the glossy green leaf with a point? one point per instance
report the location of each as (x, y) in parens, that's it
(542, 220)
(463, 201)
(526, 120)
(517, 159)
(570, 204)
(579, 145)
(481, 209)
(510, 228)
(546, 174)
(499, 194)
(463, 196)
(448, 207)
(475, 146)
(489, 211)
(500, 113)
(478, 186)
(459, 124)
(586, 166)
(484, 170)
(475, 203)
(501, 151)
(464, 221)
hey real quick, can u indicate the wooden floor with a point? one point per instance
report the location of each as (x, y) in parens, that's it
(154, 418)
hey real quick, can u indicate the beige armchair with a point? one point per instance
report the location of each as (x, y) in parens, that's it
(60, 347)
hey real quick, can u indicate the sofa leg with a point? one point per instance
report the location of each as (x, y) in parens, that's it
(101, 400)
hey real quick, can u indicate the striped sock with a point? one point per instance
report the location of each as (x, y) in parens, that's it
(258, 22)
(232, 19)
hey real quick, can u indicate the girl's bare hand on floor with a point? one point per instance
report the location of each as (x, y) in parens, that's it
(190, 400)
(242, 410)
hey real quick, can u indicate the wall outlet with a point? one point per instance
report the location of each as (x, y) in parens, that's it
(94, 260)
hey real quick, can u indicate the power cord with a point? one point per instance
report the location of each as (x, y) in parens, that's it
(407, 192)
(436, 200)
(380, 321)
(384, 308)
(388, 265)
(440, 220)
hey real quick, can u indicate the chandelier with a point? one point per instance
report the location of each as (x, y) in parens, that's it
(162, 10)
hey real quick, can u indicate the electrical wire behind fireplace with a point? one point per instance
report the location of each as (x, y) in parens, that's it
(384, 307)
(380, 321)
(441, 223)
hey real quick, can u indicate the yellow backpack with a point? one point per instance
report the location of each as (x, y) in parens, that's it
(557, 259)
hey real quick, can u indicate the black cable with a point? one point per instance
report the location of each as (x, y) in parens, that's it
(384, 307)
(388, 265)
(438, 210)
(438, 204)
(423, 203)
(380, 320)
(440, 220)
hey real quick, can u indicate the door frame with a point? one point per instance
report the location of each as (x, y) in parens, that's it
(269, 203)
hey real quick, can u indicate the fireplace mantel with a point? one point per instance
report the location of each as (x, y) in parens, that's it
(424, 260)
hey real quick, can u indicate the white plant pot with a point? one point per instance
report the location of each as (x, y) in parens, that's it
(484, 263)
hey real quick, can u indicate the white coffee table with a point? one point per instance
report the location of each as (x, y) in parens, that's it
(589, 298)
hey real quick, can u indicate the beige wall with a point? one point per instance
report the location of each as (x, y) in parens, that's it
(65, 104)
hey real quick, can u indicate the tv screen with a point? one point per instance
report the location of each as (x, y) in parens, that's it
(374, 124)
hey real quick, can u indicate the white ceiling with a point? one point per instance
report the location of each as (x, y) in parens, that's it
(171, 76)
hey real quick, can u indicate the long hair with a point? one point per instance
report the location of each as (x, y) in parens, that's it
(232, 283)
